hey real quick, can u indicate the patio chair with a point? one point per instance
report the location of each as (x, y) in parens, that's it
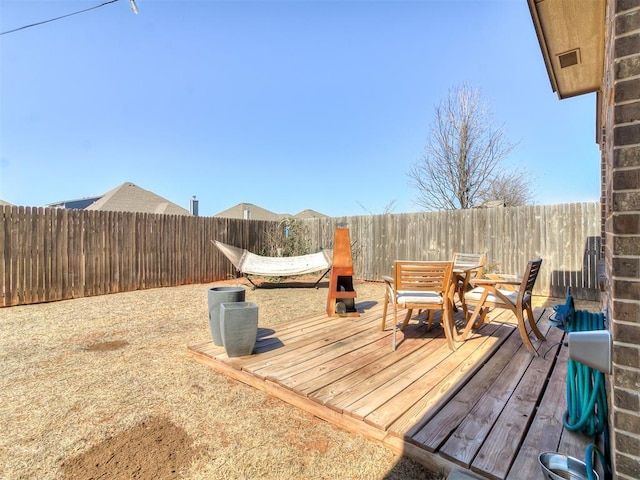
(489, 294)
(466, 268)
(421, 285)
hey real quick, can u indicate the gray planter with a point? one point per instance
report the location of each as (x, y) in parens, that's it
(218, 295)
(239, 327)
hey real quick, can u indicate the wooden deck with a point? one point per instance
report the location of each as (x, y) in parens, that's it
(490, 407)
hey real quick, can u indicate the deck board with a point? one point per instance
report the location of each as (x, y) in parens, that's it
(434, 434)
(489, 406)
(507, 435)
(325, 375)
(436, 390)
(478, 431)
(546, 431)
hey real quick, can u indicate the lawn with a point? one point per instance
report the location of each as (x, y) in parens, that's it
(104, 386)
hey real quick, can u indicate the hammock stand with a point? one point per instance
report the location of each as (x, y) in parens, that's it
(252, 264)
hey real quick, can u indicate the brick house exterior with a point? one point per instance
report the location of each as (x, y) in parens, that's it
(568, 26)
(619, 106)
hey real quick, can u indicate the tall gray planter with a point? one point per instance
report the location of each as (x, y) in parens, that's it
(239, 327)
(218, 295)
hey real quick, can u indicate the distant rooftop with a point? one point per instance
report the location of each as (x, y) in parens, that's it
(309, 214)
(129, 197)
(249, 211)
(79, 203)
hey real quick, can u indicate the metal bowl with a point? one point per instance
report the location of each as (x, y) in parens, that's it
(556, 466)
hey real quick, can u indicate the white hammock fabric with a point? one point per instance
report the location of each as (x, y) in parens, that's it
(252, 264)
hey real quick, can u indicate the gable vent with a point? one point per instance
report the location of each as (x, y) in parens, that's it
(569, 58)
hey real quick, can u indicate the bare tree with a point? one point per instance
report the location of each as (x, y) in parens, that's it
(513, 188)
(288, 238)
(388, 208)
(464, 155)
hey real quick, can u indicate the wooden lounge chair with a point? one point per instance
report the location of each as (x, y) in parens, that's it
(421, 285)
(489, 294)
(466, 268)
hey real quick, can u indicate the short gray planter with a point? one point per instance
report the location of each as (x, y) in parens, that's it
(239, 327)
(218, 295)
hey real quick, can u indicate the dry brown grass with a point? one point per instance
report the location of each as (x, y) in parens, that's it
(78, 374)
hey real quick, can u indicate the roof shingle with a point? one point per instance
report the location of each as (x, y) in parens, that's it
(128, 197)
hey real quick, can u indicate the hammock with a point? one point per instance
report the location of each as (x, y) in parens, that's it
(252, 264)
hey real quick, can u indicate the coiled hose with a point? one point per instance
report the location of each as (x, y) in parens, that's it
(587, 409)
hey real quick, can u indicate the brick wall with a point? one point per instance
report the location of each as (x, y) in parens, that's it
(620, 145)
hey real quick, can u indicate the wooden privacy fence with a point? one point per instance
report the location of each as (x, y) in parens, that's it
(58, 254)
(566, 236)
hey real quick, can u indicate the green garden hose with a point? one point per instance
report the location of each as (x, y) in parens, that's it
(587, 409)
(591, 449)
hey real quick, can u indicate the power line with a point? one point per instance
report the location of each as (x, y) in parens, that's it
(133, 7)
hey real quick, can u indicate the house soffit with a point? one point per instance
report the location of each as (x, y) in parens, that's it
(571, 37)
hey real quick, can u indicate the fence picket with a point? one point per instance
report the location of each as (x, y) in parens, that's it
(52, 254)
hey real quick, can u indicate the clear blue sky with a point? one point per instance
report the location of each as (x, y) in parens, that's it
(320, 104)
